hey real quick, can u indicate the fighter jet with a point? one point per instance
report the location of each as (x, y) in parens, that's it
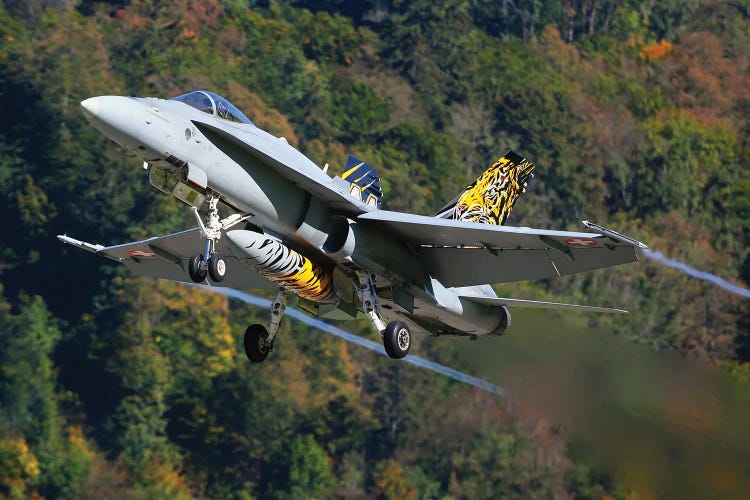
(268, 217)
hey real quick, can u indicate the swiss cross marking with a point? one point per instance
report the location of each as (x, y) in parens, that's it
(141, 254)
(580, 242)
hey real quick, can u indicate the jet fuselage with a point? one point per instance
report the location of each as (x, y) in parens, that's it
(171, 133)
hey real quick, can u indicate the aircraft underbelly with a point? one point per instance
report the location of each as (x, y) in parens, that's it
(436, 319)
(288, 211)
(308, 224)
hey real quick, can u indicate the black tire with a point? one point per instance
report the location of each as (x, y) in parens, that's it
(217, 268)
(195, 269)
(397, 339)
(256, 349)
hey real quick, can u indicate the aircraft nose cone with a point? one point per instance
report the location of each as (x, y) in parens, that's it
(92, 105)
(122, 119)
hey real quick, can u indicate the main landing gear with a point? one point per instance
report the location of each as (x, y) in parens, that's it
(259, 341)
(396, 339)
(209, 263)
(396, 336)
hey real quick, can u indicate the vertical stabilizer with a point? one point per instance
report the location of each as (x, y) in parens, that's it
(490, 198)
(364, 181)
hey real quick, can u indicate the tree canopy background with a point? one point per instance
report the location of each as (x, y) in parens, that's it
(636, 113)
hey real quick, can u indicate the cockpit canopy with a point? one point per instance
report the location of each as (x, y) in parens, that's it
(213, 104)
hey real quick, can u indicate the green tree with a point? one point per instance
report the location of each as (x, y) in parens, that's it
(29, 402)
(680, 156)
(309, 470)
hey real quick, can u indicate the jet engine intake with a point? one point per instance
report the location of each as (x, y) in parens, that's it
(341, 240)
(282, 265)
(332, 234)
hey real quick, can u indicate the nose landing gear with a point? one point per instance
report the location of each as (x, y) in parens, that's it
(209, 263)
(215, 268)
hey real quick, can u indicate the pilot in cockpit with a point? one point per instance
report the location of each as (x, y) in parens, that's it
(207, 102)
(222, 110)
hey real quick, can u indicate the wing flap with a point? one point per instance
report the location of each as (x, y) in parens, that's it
(166, 257)
(460, 253)
(456, 266)
(501, 301)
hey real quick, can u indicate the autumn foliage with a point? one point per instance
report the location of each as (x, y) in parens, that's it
(635, 113)
(656, 51)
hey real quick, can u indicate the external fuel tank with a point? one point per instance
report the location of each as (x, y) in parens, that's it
(282, 265)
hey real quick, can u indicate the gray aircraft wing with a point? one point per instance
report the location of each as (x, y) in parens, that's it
(285, 160)
(460, 253)
(167, 256)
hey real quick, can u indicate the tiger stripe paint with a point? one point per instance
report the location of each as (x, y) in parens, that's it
(284, 266)
(491, 197)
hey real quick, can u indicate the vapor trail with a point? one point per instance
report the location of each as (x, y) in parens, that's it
(356, 339)
(696, 273)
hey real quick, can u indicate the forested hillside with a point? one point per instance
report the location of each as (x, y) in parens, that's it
(637, 115)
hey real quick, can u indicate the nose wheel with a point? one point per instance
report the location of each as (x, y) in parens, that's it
(215, 268)
(196, 269)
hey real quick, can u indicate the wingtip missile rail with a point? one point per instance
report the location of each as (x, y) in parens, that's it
(614, 235)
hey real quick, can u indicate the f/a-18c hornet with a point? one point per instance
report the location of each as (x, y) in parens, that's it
(269, 217)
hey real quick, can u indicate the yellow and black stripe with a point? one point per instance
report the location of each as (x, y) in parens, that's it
(491, 197)
(291, 270)
(364, 180)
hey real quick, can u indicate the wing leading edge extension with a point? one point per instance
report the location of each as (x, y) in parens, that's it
(286, 161)
(460, 253)
(167, 256)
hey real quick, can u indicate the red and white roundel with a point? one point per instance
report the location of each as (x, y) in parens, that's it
(142, 254)
(580, 242)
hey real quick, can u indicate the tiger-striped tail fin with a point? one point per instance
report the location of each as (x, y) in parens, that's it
(491, 197)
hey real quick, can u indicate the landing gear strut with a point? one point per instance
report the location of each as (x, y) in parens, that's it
(396, 336)
(209, 263)
(258, 341)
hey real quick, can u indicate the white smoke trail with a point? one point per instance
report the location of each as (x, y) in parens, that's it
(436, 367)
(356, 339)
(696, 273)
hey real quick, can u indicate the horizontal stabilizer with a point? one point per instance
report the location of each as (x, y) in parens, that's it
(500, 301)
